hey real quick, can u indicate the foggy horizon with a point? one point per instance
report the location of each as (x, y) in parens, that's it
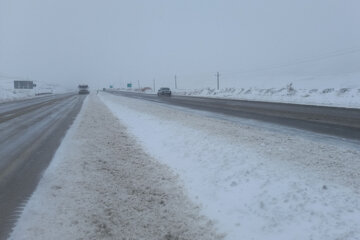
(117, 42)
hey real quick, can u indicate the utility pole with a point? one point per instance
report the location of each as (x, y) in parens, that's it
(139, 84)
(175, 83)
(154, 84)
(218, 79)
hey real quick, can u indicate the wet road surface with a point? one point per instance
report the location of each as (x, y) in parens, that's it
(341, 122)
(31, 131)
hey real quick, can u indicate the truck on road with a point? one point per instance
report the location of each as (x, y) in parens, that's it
(83, 89)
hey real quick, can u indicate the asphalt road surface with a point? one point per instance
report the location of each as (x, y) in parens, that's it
(31, 131)
(341, 122)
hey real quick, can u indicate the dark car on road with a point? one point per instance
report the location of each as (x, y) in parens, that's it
(164, 92)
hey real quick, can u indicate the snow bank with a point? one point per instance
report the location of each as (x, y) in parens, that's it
(258, 181)
(101, 185)
(340, 97)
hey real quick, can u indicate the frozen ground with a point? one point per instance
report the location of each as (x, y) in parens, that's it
(257, 181)
(102, 185)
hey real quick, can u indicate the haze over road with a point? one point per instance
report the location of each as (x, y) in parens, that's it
(31, 131)
(343, 122)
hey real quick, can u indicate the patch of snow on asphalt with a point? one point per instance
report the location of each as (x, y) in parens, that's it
(101, 185)
(257, 183)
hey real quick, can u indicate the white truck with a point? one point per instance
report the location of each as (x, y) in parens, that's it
(83, 89)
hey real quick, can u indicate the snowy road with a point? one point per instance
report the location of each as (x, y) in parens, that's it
(31, 131)
(102, 185)
(343, 122)
(7, 108)
(154, 171)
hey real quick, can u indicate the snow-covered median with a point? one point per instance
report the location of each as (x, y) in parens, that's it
(258, 181)
(102, 185)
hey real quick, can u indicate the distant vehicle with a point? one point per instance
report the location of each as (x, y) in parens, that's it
(164, 92)
(83, 89)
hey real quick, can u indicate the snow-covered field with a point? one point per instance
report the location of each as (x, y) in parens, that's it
(172, 173)
(340, 97)
(8, 93)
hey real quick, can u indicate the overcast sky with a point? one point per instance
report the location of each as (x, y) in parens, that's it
(102, 42)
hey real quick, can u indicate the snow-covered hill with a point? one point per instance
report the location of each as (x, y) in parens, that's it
(337, 90)
(8, 93)
(342, 97)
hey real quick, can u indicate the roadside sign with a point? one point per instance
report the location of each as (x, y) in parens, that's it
(129, 85)
(24, 84)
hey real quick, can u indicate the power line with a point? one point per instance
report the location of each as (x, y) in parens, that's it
(304, 60)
